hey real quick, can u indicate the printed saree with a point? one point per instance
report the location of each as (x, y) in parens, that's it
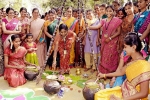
(109, 54)
(71, 23)
(64, 49)
(130, 86)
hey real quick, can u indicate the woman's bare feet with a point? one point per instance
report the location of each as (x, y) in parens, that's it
(93, 70)
(86, 69)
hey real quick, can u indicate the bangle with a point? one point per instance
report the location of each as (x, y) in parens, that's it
(110, 38)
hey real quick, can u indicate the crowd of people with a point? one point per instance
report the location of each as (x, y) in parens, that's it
(112, 40)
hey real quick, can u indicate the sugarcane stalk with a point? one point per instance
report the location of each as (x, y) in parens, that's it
(89, 37)
(50, 46)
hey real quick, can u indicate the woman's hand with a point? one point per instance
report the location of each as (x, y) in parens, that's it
(107, 40)
(20, 66)
(54, 65)
(100, 75)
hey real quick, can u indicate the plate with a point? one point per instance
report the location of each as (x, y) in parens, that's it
(51, 77)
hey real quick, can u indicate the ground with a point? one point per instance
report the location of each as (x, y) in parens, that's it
(30, 87)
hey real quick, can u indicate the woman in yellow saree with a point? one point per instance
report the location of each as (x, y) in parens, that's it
(136, 86)
(71, 23)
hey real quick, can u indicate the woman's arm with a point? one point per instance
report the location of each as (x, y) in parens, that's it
(95, 27)
(144, 90)
(146, 32)
(6, 62)
(117, 33)
(46, 33)
(121, 64)
(119, 72)
(5, 31)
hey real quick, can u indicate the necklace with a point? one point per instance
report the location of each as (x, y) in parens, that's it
(65, 51)
(106, 27)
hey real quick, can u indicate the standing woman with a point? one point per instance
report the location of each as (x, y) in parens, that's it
(1, 47)
(110, 32)
(79, 30)
(24, 22)
(10, 26)
(49, 27)
(36, 26)
(126, 26)
(71, 23)
(142, 20)
(63, 43)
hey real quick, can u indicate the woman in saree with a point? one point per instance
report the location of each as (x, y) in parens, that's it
(142, 20)
(49, 27)
(126, 26)
(63, 44)
(10, 26)
(79, 30)
(15, 63)
(36, 26)
(1, 47)
(136, 86)
(24, 22)
(71, 23)
(110, 32)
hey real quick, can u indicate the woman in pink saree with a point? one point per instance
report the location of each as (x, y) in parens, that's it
(110, 32)
(36, 26)
(15, 63)
(10, 26)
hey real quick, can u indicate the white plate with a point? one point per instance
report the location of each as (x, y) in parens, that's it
(51, 77)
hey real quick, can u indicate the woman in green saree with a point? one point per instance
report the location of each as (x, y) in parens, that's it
(49, 27)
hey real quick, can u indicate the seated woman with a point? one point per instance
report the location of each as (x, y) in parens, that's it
(14, 61)
(137, 71)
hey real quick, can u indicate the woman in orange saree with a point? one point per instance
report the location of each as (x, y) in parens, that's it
(14, 60)
(63, 44)
(71, 23)
(136, 86)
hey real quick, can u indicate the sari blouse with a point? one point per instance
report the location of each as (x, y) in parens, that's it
(12, 25)
(141, 69)
(16, 57)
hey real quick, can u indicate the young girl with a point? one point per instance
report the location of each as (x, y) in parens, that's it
(31, 47)
(136, 86)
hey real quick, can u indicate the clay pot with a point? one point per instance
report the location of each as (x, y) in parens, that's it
(90, 90)
(51, 86)
(30, 75)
